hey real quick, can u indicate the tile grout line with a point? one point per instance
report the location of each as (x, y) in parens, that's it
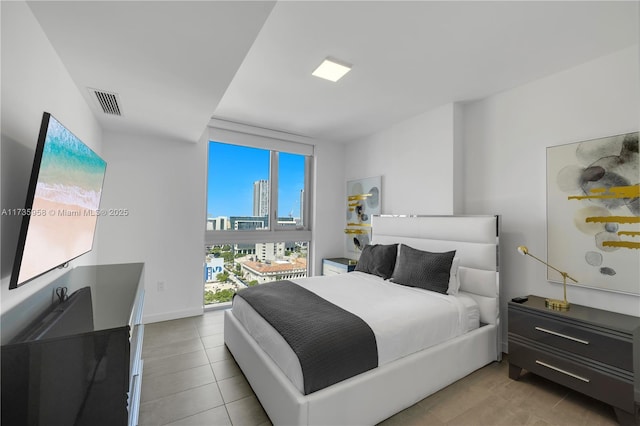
(203, 349)
(178, 372)
(560, 400)
(224, 403)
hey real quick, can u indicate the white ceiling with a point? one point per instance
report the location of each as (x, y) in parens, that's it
(170, 62)
(177, 64)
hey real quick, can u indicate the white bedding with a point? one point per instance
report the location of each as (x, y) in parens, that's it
(404, 319)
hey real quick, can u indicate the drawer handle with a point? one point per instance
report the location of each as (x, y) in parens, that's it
(560, 370)
(555, 333)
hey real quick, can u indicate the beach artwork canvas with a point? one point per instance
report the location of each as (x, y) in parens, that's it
(65, 205)
(593, 212)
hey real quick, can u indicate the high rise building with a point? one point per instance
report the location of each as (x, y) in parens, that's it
(261, 198)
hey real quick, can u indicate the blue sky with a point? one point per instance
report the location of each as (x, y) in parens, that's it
(232, 171)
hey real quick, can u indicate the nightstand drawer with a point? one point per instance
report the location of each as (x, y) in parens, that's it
(610, 389)
(337, 265)
(586, 342)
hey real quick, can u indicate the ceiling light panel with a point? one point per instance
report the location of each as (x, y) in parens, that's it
(331, 70)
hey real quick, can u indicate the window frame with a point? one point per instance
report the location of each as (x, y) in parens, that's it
(240, 135)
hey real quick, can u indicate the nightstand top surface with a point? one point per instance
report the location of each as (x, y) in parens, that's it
(341, 260)
(597, 317)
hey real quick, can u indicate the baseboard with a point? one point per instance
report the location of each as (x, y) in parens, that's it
(168, 316)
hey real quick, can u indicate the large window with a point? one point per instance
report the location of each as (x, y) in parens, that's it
(237, 187)
(258, 227)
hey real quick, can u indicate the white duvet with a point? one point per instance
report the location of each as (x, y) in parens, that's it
(404, 319)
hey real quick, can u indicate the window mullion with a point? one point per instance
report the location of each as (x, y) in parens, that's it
(306, 202)
(273, 191)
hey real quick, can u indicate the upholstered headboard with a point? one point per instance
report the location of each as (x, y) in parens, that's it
(475, 239)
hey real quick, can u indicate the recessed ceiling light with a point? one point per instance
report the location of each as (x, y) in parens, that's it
(331, 70)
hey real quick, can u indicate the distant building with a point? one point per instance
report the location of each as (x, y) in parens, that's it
(269, 251)
(261, 198)
(217, 223)
(248, 223)
(289, 222)
(213, 267)
(274, 271)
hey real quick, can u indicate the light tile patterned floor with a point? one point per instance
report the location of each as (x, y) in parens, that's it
(190, 378)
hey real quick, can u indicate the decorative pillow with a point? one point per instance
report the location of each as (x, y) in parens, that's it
(423, 269)
(454, 279)
(378, 259)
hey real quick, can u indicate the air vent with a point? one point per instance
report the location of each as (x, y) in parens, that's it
(109, 102)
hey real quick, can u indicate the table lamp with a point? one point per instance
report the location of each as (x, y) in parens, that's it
(558, 305)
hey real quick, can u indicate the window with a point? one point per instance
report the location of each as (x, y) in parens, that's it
(248, 241)
(291, 178)
(237, 188)
(231, 267)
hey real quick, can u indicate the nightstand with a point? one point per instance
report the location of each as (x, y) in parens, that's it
(590, 350)
(337, 265)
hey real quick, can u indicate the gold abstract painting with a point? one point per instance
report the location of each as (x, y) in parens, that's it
(363, 201)
(593, 212)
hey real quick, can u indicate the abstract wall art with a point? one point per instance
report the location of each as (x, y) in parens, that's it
(593, 212)
(363, 201)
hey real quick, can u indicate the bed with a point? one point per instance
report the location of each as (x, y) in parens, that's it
(408, 368)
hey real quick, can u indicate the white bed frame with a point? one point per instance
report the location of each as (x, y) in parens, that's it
(379, 393)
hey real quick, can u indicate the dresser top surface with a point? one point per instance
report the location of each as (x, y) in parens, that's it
(113, 292)
(584, 314)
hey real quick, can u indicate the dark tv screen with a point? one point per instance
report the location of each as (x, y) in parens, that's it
(63, 201)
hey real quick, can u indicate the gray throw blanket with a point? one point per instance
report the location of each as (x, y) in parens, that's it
(332, 344)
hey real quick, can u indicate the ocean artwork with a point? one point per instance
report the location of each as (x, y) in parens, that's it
(593, 212)
(70, 172)
(65, 206)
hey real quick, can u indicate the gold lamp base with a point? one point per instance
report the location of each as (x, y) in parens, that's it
(557, 305)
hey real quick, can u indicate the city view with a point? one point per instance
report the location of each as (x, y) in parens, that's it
(231, 267)
(240, 202)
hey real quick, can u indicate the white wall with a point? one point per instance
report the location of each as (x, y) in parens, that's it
(505, 139)
(33, 80)
(458, 159)
(415, 160)
(162, 185)
(329, 208)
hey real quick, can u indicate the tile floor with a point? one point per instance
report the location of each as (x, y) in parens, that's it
(190, 378)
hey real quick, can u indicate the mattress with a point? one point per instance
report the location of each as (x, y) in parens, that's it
(404, 319)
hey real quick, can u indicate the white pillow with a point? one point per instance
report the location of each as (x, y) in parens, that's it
(454, 280)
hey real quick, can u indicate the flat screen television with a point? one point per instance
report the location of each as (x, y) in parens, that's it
(63, 201)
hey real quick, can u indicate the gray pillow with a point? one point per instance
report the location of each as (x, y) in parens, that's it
(378, 259)
(423, 269)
